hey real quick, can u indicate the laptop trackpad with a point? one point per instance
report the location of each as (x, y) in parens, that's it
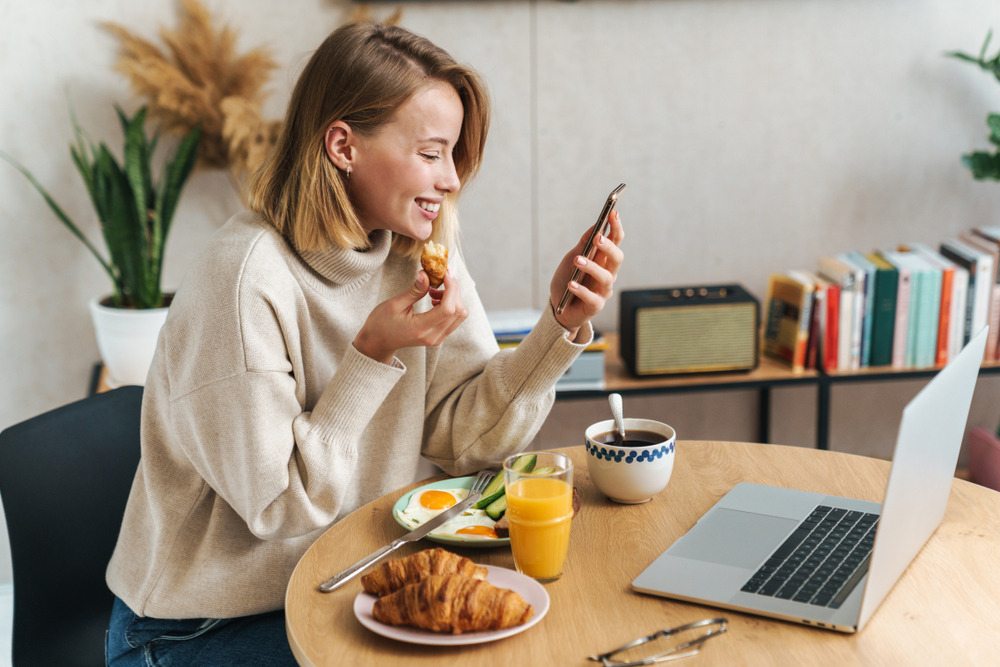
(731, 537)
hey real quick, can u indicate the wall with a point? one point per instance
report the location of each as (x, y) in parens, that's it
(754, 135)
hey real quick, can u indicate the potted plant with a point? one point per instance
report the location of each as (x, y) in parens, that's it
(984, 165)
(135, 213)
(984, 447)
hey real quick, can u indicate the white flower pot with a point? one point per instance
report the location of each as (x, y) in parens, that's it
(126, 339)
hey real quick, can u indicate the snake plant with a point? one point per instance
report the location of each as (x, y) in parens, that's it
(135, 213)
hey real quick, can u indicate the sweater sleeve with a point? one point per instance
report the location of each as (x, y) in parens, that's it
(485, 404)
(285, 471)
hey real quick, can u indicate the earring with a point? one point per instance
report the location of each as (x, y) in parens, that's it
(348, 172)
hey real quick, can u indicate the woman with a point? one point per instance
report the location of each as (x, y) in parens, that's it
(303, 369)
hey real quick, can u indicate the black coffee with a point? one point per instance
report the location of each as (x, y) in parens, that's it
(632, 438)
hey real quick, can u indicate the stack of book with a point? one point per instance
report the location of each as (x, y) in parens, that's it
(587, 372)
(912, 307)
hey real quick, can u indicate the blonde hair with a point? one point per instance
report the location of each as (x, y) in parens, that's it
(360, 75)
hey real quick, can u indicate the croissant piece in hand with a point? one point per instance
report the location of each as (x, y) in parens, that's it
(392, 575)
(453, 603)
(434, 259)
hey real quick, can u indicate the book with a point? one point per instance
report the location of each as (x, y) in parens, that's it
(831, 337)
(968, 262)
(903, 302)
(858, 260)
(959, 303)
(992, 247)
(818, 327)
(807, 322)
(947, 269)
(948, 308)
(904, 261)
(857, 313)
(836, 271)
(928, 311)
(513, 324)
(786, 321)
(979, 265)
(883, 310)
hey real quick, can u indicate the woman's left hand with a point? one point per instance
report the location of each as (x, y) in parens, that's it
(596, 287)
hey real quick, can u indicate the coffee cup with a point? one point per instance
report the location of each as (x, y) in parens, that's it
(630, 472)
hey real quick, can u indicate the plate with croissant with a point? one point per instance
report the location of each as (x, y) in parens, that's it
(438, 598)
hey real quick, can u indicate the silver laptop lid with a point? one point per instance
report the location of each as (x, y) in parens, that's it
(923, 467)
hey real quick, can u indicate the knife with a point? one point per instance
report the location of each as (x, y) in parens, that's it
(339, 580)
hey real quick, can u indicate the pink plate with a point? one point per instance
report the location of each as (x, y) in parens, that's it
(529, 589)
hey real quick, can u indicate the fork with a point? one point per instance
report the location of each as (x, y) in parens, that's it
(475, 493)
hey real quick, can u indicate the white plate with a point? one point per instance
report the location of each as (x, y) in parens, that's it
(529, 589)
(449, 540)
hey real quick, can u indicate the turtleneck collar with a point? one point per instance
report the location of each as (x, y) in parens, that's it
(343, 268)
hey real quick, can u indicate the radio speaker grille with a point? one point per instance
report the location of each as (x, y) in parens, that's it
(696, 338)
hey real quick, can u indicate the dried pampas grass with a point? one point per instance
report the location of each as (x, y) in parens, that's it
(248, 136)
(195, 79)
(199, 78)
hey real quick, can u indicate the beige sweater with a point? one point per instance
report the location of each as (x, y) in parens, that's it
(262, 425)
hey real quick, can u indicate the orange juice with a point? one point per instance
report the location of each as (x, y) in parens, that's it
(539, 512)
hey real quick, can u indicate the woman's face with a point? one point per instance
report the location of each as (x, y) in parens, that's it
(401, 174)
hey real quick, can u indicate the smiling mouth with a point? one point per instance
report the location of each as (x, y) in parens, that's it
(427, 206)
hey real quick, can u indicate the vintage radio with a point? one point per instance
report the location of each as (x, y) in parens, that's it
(700, 329)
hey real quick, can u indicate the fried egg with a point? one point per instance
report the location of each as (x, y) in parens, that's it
(470, 524)
(427, 504)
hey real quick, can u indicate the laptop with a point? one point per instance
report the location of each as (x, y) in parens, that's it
(822, 560)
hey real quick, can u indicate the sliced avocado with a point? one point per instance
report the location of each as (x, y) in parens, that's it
(496, 509)
(494, 489)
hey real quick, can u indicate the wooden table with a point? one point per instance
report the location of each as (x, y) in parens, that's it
(944, 610)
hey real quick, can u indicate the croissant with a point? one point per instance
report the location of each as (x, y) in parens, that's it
(393, 575)
(434, 259)
(453, 603)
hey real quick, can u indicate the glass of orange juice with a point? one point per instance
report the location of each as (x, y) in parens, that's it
(539, 494)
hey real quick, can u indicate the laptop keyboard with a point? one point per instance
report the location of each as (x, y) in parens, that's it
(822, 561)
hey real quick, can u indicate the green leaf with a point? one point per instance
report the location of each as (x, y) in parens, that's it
(176, 172)
(984, 166)
(136, 162)
(962, 56)
(59, 213)
(86, 171)
(993, 121)
(122, 229)
(123, 119)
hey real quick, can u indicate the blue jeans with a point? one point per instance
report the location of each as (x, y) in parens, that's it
(138, 641)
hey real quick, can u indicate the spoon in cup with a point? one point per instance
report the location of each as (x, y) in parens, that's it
(616, 410)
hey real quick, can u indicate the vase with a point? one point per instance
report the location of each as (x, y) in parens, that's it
(984, 458)
(126, 339)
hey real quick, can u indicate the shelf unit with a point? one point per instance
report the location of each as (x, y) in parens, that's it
(767, 375)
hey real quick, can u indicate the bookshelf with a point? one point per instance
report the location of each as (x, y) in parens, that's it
(767, 375)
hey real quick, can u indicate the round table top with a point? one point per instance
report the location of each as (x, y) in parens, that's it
(945, 609)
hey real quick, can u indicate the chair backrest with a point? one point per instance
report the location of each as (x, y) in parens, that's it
(65, 478)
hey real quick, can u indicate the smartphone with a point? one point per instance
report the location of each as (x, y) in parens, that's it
(588, 250)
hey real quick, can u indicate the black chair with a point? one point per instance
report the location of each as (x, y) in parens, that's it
(65, 477)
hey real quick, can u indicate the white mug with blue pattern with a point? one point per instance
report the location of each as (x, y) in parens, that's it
(630, 474)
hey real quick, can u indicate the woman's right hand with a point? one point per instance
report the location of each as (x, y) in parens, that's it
(393, 325)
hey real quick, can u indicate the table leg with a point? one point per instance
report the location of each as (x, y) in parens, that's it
(764, 415)
(823, 414)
